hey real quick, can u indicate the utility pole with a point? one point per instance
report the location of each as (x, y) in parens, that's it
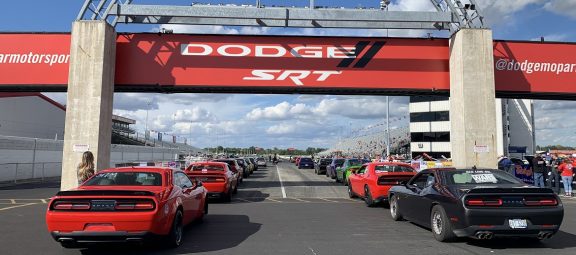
(387, 126)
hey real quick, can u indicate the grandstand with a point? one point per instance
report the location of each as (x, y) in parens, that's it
(370, 141)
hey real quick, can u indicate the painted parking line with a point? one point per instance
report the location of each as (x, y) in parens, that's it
(16, 206)
(298, 199)
(328, 200)
(274, 200)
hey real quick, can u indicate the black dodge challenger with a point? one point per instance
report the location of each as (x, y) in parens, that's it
(477, 203)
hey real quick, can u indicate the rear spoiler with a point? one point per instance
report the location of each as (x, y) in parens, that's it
(105, 193)
(520, 190)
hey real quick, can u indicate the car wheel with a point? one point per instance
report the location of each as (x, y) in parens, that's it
(441, 226)
(368, 197)
(394, 209)
(350, 191)
(174, 239)
(227, 197)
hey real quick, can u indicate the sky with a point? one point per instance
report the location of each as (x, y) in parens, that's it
(303, 120)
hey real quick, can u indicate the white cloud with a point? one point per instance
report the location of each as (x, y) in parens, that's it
(281, 111)
(195, 114)
(562, 7)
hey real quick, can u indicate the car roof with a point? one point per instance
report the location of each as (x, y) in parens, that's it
(138, 169)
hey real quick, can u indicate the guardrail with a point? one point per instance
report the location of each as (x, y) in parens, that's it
(25, 172)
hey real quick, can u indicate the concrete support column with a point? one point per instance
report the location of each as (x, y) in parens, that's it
(90, 96)
(472, 99)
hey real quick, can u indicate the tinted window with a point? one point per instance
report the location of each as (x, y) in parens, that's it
(429, 116)
(125, 179)
(430, 137)
(361, 170)
(340, 161)
(420, 181)
(325, 161)
(184, 180)
(471, 177)
(354, 162)
(306, 160)
(208, 167)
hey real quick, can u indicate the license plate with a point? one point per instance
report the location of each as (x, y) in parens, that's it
(517, 223)
(103, 205)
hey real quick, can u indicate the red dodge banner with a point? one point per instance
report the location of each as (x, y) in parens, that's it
(535, 67)
(34, 59)
(170, 61)
(274, 61)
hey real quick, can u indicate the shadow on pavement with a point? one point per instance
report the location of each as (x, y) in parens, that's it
(250, 195)
(560, 240)
(218, 232)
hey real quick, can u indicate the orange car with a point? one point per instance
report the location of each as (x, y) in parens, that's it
(216, 177)
(129, 204)
(372, 181)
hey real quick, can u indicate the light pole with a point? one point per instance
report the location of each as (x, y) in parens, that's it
(387, 127)
(146, 136)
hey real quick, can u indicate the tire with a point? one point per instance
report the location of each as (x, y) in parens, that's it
(441, 226)
(174, 238)
(227, 197)
(394, 209)
(351, 192)
(368, 197)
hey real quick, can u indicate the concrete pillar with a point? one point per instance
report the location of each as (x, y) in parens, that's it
(472, 104)
(90, 96)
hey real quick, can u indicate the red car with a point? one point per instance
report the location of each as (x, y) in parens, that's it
(373, 180)
(216, 177)
(234, 167)
(130, 204)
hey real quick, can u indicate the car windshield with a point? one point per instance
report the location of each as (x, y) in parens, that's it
(472, 177)
(306, 160)
(393, 169)
(339, 162)
(125, 179)
(325, 161)
(207, 167)
(261, 159)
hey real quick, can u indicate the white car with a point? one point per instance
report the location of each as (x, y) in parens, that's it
(261, 161)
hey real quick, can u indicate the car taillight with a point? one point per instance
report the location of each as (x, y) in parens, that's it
(137, 205)
(483, 202)
(71, 205)
(540, 201)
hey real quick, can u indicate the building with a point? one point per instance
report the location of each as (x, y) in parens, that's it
(430, 127)
(35, 115)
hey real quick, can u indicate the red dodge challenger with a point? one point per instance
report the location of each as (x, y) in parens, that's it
(128, 204)
(373, 180)
(217, 178)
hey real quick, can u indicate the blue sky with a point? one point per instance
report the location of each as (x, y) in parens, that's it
(303, 120)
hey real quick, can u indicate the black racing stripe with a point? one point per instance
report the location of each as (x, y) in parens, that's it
(359, 48)
(369, 54)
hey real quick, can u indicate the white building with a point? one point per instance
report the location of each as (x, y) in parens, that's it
(430, 126)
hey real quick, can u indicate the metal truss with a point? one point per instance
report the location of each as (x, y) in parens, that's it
(450, 15)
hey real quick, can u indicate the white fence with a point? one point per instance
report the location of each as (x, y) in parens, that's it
(28, 158)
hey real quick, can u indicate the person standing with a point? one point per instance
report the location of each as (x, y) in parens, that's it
(566, 171)
(539, 169)
(86, 167)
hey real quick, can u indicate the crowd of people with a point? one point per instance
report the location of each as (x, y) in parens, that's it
(548, 171)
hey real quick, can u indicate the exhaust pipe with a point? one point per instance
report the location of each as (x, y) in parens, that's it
(544, 235)
(484, 235)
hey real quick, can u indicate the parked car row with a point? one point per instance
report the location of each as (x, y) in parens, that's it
(221, 177)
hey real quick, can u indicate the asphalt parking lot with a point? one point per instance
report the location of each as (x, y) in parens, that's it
(278, 210)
